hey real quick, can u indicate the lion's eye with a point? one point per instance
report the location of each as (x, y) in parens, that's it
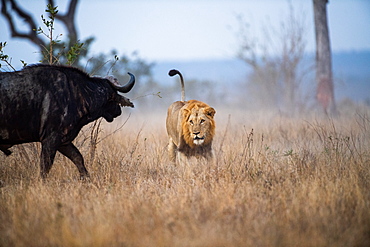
(191, 122)
(202, 121)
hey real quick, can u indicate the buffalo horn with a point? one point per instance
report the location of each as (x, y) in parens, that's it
(123, 89)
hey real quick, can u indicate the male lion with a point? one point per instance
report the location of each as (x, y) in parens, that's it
(190, 127)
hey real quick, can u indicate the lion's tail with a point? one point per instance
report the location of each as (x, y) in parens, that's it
(174, 72)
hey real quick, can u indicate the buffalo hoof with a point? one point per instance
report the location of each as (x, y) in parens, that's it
(85, 177)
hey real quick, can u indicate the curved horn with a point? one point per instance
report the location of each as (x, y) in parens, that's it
(123, 89)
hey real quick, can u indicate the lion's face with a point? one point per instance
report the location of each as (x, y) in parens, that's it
(198, 125)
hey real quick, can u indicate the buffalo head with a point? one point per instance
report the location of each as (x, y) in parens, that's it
(112, 107)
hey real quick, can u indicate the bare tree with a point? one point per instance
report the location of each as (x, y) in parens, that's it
(68, 20)
(11, 5)
(276, 74)
(11, 10)
(324, 74)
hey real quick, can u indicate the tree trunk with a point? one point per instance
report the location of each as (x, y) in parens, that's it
(324, 74)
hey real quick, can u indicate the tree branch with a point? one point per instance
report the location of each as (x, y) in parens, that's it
(32, 34)
(69, 20)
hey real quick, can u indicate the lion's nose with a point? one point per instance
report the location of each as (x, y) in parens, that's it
(196, 133)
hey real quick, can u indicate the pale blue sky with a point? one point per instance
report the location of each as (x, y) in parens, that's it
(193, 29)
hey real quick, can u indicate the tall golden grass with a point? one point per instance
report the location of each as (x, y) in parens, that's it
(278, 182)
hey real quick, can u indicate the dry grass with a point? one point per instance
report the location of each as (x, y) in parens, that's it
(287, 182)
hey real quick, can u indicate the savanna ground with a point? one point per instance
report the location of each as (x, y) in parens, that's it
(278, 181)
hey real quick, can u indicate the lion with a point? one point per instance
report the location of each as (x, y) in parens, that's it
(190, 127)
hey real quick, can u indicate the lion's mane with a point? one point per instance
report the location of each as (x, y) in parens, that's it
(177, 124)
(195, 107)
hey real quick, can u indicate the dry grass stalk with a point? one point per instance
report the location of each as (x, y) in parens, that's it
(277, 182)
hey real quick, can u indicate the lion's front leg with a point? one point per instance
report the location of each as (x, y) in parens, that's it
(172, 151)
(211, 158)
(181, 159)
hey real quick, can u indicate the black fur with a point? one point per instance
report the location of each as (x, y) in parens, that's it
(50, 104)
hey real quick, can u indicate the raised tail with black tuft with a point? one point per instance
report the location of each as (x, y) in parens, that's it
(174, 72)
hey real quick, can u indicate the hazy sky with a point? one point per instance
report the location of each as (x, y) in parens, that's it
(193, 29)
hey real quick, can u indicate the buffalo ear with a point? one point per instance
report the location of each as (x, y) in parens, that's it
(123, 101)
(210, 111)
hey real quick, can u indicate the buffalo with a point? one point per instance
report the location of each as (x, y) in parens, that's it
(50, 104)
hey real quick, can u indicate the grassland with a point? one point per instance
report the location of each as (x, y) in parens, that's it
(278, 182)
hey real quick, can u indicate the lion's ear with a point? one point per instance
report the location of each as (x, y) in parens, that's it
(210, 111)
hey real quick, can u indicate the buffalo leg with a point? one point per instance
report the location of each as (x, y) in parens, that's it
(48, 152)
(72, 153)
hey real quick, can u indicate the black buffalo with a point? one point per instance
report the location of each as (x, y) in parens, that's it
(50, 104)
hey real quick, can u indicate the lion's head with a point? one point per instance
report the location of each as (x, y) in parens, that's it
(198, 125)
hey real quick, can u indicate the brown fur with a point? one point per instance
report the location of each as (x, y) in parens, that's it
(194, 108)
(183, 120)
